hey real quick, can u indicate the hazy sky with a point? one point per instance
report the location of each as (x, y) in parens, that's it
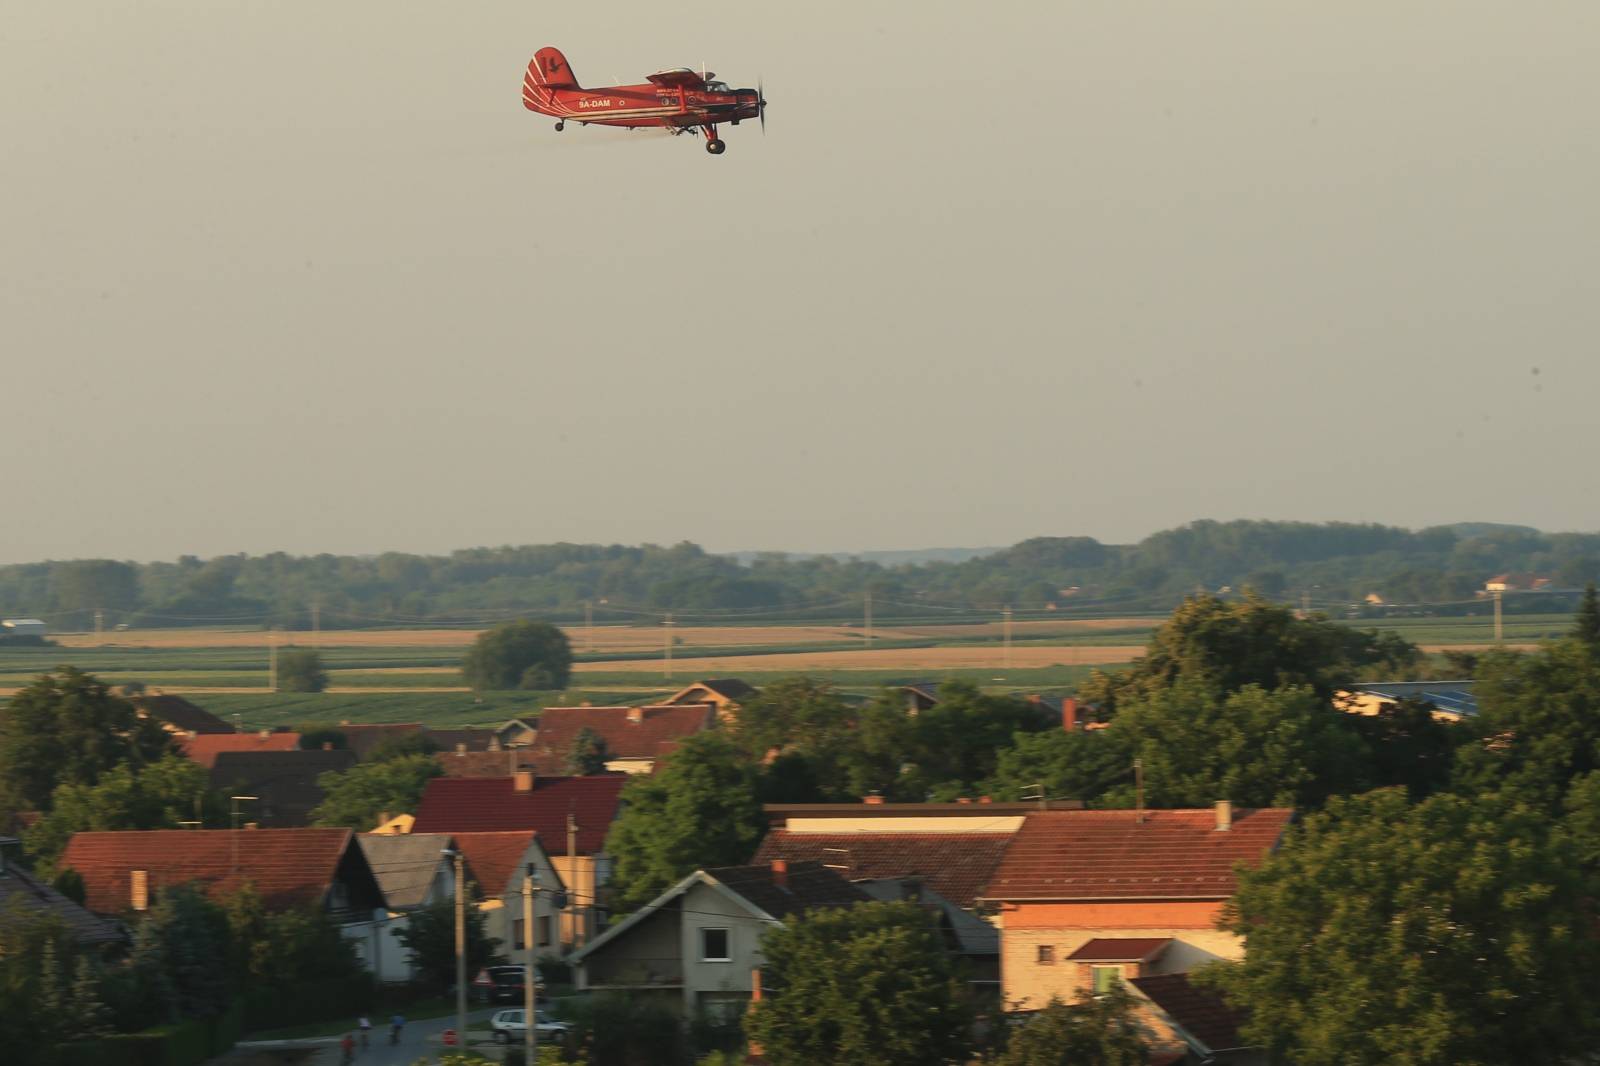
(284, 275)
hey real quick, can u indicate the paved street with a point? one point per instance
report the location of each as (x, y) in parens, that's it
(420, 1040)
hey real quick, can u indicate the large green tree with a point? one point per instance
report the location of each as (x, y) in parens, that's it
(1233, 643)
(358, 797)
(300, 670)
(869, 985)
(68, 728)
(181, 953)
(525, 654)
(162, 795)
(1454, 931)
(1099, 1030)
(430, 936)
(699, 810)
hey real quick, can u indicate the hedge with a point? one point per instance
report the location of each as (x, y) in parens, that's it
(185, 1044)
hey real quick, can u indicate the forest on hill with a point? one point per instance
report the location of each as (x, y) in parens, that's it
(1332, 564)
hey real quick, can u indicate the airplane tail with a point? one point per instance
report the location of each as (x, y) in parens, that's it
(548, 71)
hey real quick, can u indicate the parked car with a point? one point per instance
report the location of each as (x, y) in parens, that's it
(505, 984)
(508, 1026)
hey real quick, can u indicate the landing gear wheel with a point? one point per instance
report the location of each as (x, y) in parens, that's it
(716, 147)
(561, 126)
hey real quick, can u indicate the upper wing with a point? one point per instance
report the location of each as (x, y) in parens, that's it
(680, 77)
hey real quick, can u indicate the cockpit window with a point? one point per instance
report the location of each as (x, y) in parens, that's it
(717, 87)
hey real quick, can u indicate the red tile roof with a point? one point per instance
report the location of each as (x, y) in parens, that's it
(205, 748)
(805, 886)
(289, 867)
(1082, 855)
(483, 763)
(629, 732)
(492, 804)
(1125, 949)
(955, 865)
(1200, 1012)
(492, 858)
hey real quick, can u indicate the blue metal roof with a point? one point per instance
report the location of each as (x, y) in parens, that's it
(1455, 697)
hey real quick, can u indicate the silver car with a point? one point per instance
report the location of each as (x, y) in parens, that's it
(509, 1026)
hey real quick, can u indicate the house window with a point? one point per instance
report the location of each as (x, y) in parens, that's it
(542, 928)
(1106, 978)
(1046, 955)
(714, 945)
(517, 931)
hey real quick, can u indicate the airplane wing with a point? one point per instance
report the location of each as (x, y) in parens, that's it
(680, 77)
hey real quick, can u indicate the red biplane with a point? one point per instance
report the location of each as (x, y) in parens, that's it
(678, 100)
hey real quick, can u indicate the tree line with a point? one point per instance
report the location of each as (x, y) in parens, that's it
(1339, 561)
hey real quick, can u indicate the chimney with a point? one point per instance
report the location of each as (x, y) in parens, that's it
(1069, 714)
(461, 747)
(265, 733)
(964, 800)
(1224, 815)
(780, 872)
(985, 799)
(139, 889)
(635, 715)
(874, 798)
(327, 745)
(522, 781)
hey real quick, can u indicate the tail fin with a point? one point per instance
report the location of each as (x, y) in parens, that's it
(549, 70)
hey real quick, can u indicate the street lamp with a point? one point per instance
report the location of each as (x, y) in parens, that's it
(461, 944)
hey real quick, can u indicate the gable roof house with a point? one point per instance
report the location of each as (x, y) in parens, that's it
(1195, 1020)
(20, 890)
(635, 737)
(177, 715)
(1087, 899)
(573, 813)
(943, 863)
(205, 747)
(726, 694)
(283, 782)
(697, 944)
(496, 863)
(123, 872)
(413, 872)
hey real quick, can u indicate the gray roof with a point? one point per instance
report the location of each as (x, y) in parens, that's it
(404, 864)
(20, 889)
(1454, 697)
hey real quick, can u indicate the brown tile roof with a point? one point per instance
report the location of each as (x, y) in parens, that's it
(284, 781)
(1121, 949)
(205, 748)
(483, 763)
(955, 865)
(492, 858)
(492, 804)
(474, 739)
(1200, 1012)
(1082, 855)
(629, 732)
(806, 886)
(181, 714)
(289, 867)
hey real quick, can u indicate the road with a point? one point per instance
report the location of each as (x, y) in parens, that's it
(420, 1040)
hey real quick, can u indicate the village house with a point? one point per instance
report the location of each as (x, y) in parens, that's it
(179, 716)
(496, 864)
(938, 854)
(726, 694)
(697, 945)
(1191, 1025)
(413, 872)
(284, 784)
(1088, 899)
(573, 813)
(205, 747)
(21, 892)
(636, 738)
(125, 872)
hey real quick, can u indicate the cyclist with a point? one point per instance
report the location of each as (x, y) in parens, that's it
(366, 1030)
(347, 1048)
(397, 1023)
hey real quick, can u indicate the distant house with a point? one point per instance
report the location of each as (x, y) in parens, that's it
(486, 763)
(463, 740)
(1517, 583)
(23, 627)
(573, 814)
(1088, 899)
(283, 782)
(21, 891)
(205, 747)
(1451, 700)
(635, 737)
(920, 696)
(180, 717)
(726, 694)
(696, 945)
(363, 737)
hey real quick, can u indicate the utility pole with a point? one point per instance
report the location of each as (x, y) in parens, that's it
(867, 624)
(461, 947)
(575, 913)
(588, 638)
(234, 802)
(1138, 790)
(530, 976)
(666, 631)
(272, 660)
(99, 624)
(1497, 630)
(1006, 626)
(316, 623)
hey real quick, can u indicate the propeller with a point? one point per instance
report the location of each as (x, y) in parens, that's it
(761, 104)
